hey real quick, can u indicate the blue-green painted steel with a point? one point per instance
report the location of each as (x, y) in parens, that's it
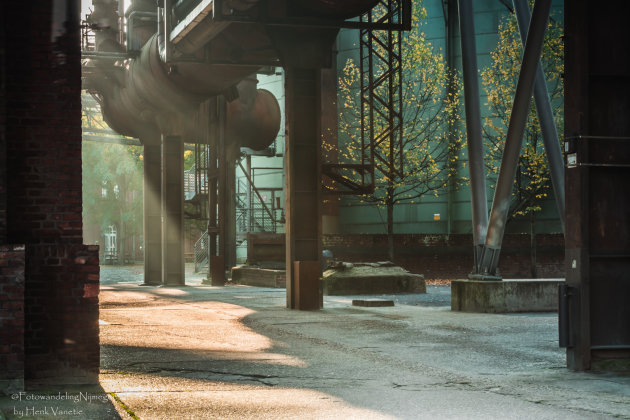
(357, 217)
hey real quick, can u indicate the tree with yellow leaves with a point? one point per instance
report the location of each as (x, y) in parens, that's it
(532, 185)
(431, 138)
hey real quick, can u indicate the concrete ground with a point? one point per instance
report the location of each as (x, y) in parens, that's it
(201, 352)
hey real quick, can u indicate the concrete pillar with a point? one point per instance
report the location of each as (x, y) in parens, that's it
(302, 183)
(152, 160)
(172, 211)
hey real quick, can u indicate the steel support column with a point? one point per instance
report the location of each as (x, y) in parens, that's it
(545, 116)
(596, 320)
(514, 140)
(172, 210)
(152, 194)
(479, 199)
(302, 183)
(221, 229)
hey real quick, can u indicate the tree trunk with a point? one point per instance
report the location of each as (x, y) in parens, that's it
(390, 226)
(532, 244)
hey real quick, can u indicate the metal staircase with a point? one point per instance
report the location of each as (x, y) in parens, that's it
(195, 178)
(257, 209)
(201, 252)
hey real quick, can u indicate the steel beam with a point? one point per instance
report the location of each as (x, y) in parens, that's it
(545, 116)
(479, 199)
(217, 188)
(172, 210)
(152, 194)
(514, 140)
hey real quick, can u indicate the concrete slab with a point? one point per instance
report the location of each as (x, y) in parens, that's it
(520, 295)
(371, 278)
(372, 302)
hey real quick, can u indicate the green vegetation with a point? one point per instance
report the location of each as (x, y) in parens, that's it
(112, 189)
(431, 138)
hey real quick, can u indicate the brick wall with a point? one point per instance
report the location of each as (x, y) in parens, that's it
(41, 128)
(442, 256)
(11, 317)
(62, 283)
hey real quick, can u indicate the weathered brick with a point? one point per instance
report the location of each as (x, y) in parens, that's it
(441, 256)
(43, 142)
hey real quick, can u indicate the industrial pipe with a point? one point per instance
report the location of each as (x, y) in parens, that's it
(104, 21)
(148, 90)
(254, 117)
(152, 92)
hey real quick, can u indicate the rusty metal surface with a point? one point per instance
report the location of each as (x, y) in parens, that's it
(302, 181)
(597, 103)
(307, 285)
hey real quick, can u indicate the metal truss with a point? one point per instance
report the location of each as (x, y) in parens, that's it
(381, 100)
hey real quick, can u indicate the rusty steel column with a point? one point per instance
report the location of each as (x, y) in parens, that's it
(152, 194)
(218, 193)
(595, 321)
(172, 210)
(302, 184)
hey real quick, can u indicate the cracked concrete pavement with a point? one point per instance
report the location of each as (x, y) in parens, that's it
(237, 353)
(201, 352)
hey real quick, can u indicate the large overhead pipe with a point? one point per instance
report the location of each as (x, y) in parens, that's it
(149, 91)
(514, 140)
(545, 116)
(479, 199)
(105, 23)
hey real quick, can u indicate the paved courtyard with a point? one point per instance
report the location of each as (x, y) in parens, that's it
(201, 352)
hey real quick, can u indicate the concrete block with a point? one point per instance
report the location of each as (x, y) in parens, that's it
(522, 295)
(371, 278)
(261, 277)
